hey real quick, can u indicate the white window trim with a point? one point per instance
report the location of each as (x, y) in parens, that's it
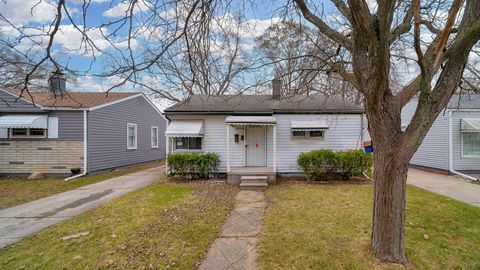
(306, 137)
(174, 148)
(151, 136)
(136, 137)
(10, 134)
(462, 150)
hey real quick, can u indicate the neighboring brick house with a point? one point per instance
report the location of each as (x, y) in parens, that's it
(47, 133)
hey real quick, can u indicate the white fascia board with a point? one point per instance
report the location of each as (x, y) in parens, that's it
(113, 102)
(63, 109)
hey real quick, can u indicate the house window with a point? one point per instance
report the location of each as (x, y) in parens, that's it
(317, 134)
(27, 133)
(299, 134)
(471, 144)
(188, 143)
(154, 137)
(131, 136)
(314, 134)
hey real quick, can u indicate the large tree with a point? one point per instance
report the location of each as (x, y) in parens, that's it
(373, 32)
(368, 44)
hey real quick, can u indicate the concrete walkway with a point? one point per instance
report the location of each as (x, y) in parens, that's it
(22, 220)
(446, 185)
(236, 247)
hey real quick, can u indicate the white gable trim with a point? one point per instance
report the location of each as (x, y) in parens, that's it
(113, 102)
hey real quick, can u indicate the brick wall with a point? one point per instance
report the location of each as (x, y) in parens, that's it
(40, 156)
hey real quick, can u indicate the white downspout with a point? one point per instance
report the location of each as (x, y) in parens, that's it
(275, 148)
(450, 150)
(85, 144)
(167, 145)
(228, 147)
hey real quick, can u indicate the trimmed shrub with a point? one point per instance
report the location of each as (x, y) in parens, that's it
(317, 164)
(192, 166)
(352, 162)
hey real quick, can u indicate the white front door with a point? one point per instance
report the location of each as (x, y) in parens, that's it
(256, 146)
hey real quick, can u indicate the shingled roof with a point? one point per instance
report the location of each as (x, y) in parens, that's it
(71, 99)
(263, 104)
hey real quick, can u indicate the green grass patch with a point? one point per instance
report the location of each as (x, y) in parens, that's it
(162, 226)
(15, 191)
(329, 226)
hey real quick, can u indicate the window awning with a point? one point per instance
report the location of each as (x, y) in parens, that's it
(470, 125)
(313, 125)
(24, 121)
(185, 128)
(251, 120)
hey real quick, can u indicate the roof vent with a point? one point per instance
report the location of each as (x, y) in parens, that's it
(57, 83)
(276, 88)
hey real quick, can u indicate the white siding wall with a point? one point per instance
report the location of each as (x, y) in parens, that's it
(433, 152)
(344, 133)
(214, 139)
(462, 163)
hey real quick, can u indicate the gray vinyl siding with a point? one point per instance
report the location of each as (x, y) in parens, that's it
(461, 163)
(70, 126)
(9, 103)
(344, 133)
(433, 152)
(107, 134)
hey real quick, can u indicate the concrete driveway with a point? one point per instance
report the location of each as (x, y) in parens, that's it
(450, 186)
(22, 220)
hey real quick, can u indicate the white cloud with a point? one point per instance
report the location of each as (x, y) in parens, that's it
(70, 40)
(120, 9)
(25, 11)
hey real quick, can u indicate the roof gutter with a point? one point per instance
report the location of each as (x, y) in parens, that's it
(450, 150)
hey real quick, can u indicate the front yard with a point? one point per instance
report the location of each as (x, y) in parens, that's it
(15, 191)
(310, 226)
(162, 226)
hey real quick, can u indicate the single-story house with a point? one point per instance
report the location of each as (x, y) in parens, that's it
(55, 131)
(452, 145)
(263, 134)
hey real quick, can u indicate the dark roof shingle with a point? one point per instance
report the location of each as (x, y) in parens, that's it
(250, 104)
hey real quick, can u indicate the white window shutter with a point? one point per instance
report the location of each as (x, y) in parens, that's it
(3, 133)
(53, 127)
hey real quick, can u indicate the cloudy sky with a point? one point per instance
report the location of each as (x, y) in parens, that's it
(39, 14)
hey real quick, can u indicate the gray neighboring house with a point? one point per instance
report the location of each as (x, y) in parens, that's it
(452, 145)
(87, 130)
(263, 134)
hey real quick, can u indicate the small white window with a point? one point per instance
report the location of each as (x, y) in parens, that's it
(131, 136)
(471, 144)
(317, 134)
(154, 137)
(28, 133)
(299, 134)
(188, 143)
(312, 134)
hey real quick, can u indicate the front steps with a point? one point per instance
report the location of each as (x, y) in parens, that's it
(254, 182)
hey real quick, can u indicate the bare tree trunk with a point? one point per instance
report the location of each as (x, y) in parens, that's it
(388, 232)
